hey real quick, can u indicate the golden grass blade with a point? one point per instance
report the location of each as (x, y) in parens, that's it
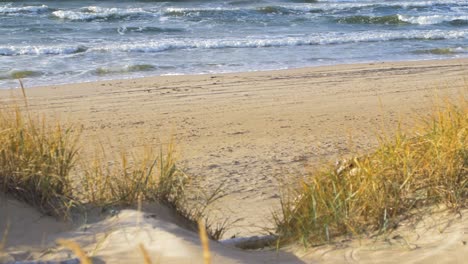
(76, 249)
(146, 256)
(23, 91)
(205, 242)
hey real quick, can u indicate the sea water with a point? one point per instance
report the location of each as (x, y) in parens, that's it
(54, 42)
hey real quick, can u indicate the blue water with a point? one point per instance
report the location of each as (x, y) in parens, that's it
(52, 42)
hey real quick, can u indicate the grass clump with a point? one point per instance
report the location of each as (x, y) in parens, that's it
(148, 177)
(41, 165)
(376, 191)
(36, 160)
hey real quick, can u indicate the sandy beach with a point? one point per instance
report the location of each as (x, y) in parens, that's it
(248, 131)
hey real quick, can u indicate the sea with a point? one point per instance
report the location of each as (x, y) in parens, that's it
(57, 42)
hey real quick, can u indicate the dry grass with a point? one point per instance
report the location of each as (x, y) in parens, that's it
(77, 250)
(146, 256)
(148, 177)
(36, 160)
(205, 243)
(41, 165)
(376, 191)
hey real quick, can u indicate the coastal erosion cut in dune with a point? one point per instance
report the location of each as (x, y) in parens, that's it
(246, 130)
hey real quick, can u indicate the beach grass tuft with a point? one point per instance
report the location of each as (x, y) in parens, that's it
(36, 159)
(41, 164)
(149, 177)
(375, 192)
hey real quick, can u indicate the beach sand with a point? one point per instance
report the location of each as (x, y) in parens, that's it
(248, 131)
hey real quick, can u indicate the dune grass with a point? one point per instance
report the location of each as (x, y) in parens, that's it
(375, 192)
(146, 177)
(41, 164)
(36, 160)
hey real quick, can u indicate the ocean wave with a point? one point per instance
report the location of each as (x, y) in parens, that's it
(309, 6)
(434, 19)
(442, 51)
(187, 11)
(304, 1)
(267, 9)
(387, 20)
(124, 30)
(274, 10)
(41, 50)
(94, 12)
(315, 39)
(9, 9)
(404, 20)
(413, 4)
(249, 42)
(343, 6)
(459, 22)
(19, 74)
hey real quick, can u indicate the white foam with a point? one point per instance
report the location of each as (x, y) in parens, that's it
(322, 5)
(95, 12)
(340, 5)
(408, 4)
(40, 50)
(201, 9)
(430, 20)
(258, 42)
(9, 9)
(250, 42)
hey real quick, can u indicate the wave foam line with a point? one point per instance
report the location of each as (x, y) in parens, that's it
(95, 12)
(41, 50)
(316, 39)
(308, 7)
(431, 20)
(252, 42)
(9, 9)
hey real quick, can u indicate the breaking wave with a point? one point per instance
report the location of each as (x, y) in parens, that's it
(315, 39)
(126, 69)
(442, 51)
(19, 74)
(170, 44)
(41, 50)
(9, 9)
(387, 20)
(435, 19)
(94, 12)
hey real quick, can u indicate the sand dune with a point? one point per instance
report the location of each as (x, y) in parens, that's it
(247, 130)
(439, 238)
(115, 239)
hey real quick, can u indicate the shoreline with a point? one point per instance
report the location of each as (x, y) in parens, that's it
(248, 130)
(311, 68)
